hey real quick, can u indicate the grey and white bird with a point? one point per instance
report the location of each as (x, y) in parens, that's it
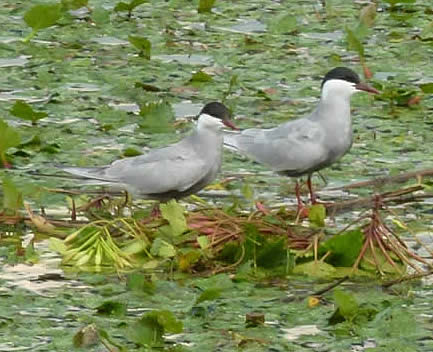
(311, 143)
(170, 172)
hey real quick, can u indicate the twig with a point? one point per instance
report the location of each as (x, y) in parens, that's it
(387, 197)
(329, 287)
(407, 278)
(381, 181)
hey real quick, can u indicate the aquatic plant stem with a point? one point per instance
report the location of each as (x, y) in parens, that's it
(29, 36)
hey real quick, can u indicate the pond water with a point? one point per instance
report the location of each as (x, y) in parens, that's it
(85, 74)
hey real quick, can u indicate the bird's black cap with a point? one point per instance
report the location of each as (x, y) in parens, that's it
(219, 111)
(342, 73)
(216, 109)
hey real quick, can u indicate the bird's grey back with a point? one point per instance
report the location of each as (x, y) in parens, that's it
(295, 147)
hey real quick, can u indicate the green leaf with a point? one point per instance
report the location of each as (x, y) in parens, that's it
(396, 322)
(317, 215)
(57, 245)
(112, 308)
(346, 304)
(247, 191)
(232, 84)
(205, 6)
(354, 43)
(221, 281)
(147, 87)
(168, 320)
(203, 242)
(201, 77)
(43, 16)
(135, 246)
(262, 94)
(74, 4)
(162, 248)
(187, 259)
(31, 255)
(344, 248)
(427, 32)
(128, 7)
(143, 45)
(12, 198)
(9, 138)
(32, 141)
(315, 269)
(157, 117)
(122, 7)
(173, 212)
(128, 152)
(100, 15)
(427, 87)
(286, 23)
(395, 2)
(146, 332)
(24, 111)
(272, 252)
(138, 283)
(135, 3)
(210, 294)
(149, 330)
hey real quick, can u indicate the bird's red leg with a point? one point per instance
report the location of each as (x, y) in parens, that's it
(310, 188)
(302, 211)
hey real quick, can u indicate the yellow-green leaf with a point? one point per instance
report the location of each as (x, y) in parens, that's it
(173, 212)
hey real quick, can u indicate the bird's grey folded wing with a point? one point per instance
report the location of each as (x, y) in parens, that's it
(295, 145)
(177, 173)
(173, 168)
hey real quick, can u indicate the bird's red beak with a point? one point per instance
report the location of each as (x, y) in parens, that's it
(230, 124)
(366, 88)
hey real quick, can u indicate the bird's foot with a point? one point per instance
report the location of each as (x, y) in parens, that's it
(156, 211)
(302, 211)
(261, 208)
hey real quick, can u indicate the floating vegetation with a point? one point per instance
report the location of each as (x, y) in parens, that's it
(210, 240)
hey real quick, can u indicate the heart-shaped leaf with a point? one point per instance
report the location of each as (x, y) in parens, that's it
(42, 16)
(24, 111)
